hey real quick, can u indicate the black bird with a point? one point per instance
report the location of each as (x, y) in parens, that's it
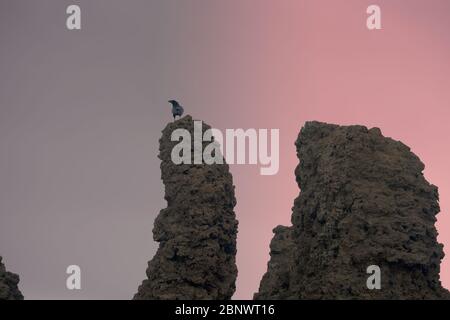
(177, 110)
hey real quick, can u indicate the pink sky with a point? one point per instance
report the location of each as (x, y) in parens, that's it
(316, 60)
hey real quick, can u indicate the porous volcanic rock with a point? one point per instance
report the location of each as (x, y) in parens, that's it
(9, 289)
(363, 201)
(196, 232)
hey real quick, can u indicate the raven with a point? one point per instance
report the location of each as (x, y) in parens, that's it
(177, 110)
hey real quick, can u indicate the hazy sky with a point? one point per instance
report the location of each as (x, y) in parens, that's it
(81, 113)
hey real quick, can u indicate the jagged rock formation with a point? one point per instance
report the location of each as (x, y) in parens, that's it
(364, 201)
(9, 284)
(197, 231)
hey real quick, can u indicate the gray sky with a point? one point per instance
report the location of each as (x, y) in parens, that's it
(79, 129)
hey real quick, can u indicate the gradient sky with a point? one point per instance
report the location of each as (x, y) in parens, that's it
(81, 114)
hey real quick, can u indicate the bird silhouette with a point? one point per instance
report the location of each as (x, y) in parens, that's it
(177, 110)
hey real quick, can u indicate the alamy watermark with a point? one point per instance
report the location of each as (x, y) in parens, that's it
(236, 142)
(73, 281)
(374, 19)
(73, 21)
(374, 280)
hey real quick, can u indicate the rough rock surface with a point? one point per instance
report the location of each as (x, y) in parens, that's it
(197, 231)
(364, 201)
(9, 284)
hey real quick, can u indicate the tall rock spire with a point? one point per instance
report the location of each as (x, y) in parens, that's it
(196, 232)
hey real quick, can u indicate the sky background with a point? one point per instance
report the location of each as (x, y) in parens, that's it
(81, 113)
